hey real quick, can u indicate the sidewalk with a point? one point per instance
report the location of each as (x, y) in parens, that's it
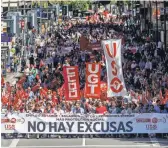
(12, 77)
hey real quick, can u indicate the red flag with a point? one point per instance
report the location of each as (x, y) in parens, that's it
(43, 92)
(132, 93)
(22, 80)
(145, 97)
(103, 87)
(35, 88)
(37, 99)
(164, 99)
(41, 64)
(25, 95)
(82, 93)
(61, 92)
(2, 81)
(53, 83)
(71, 78)
(19, 86)
(17, 102)
(160, 95)
(20, 94)
(84, 42)
(8, 87)
(4, 100)
(54, 98)
(92, 87)
(37, 77)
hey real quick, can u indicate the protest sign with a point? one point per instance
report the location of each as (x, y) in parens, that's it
(84, 124)
(115, 81)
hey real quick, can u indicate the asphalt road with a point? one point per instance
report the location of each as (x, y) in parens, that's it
(84, 143)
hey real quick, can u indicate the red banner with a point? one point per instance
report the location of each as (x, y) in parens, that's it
(71, 78)
(103, 87)
(92, 88)
(94, 46)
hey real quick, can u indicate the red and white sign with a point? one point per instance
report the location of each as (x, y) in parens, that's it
(71, 78)
(92, 88)
(115, 84)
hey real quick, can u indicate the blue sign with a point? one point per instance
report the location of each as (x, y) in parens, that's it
(5, 38)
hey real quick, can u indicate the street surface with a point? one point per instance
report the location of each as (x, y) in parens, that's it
(13, 76)
(85, 143)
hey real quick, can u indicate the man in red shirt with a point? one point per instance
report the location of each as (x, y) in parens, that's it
(101, 109)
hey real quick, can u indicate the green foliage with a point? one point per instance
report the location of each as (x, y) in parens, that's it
(105, 2)
(127, 2)
(80, 4)
(76, 4)
(113, 2)
(54, 2)
(123, 2)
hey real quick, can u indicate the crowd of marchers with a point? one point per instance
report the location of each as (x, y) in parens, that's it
(145, 71)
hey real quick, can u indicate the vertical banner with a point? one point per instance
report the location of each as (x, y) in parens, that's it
(84, 43)
(92, 87)
(115, 80)
(71, 78)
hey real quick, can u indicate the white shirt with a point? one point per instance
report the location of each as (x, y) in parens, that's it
(136, 77)
(66, 64)
(160, 45)
(133, 65)
(148, 65)
(60, 112)
(124, 111)
(27, 71)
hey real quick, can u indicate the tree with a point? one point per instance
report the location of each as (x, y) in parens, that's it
(120, 5)
(105, 2)
(113, 2)
(80, 5)
(53, 2)
(43, 4)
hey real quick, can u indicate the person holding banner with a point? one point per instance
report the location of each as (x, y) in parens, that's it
(77, 109)
(100, 109)
(49, 108)
(37, 110)
(59, 111)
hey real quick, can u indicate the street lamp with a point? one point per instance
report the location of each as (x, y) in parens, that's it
(165, 30)
(156, 5)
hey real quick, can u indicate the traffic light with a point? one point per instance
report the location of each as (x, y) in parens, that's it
(64, 10)
(164, 16)
(105, 2)
(166, 4)
(75, 13)
(29, 25)
(8, 30)
(137, 4)
(70, 7)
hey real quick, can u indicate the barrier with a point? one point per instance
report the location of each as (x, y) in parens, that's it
(84, 124)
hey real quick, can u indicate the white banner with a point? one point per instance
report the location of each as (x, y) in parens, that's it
(84, 124)
(115, 80)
